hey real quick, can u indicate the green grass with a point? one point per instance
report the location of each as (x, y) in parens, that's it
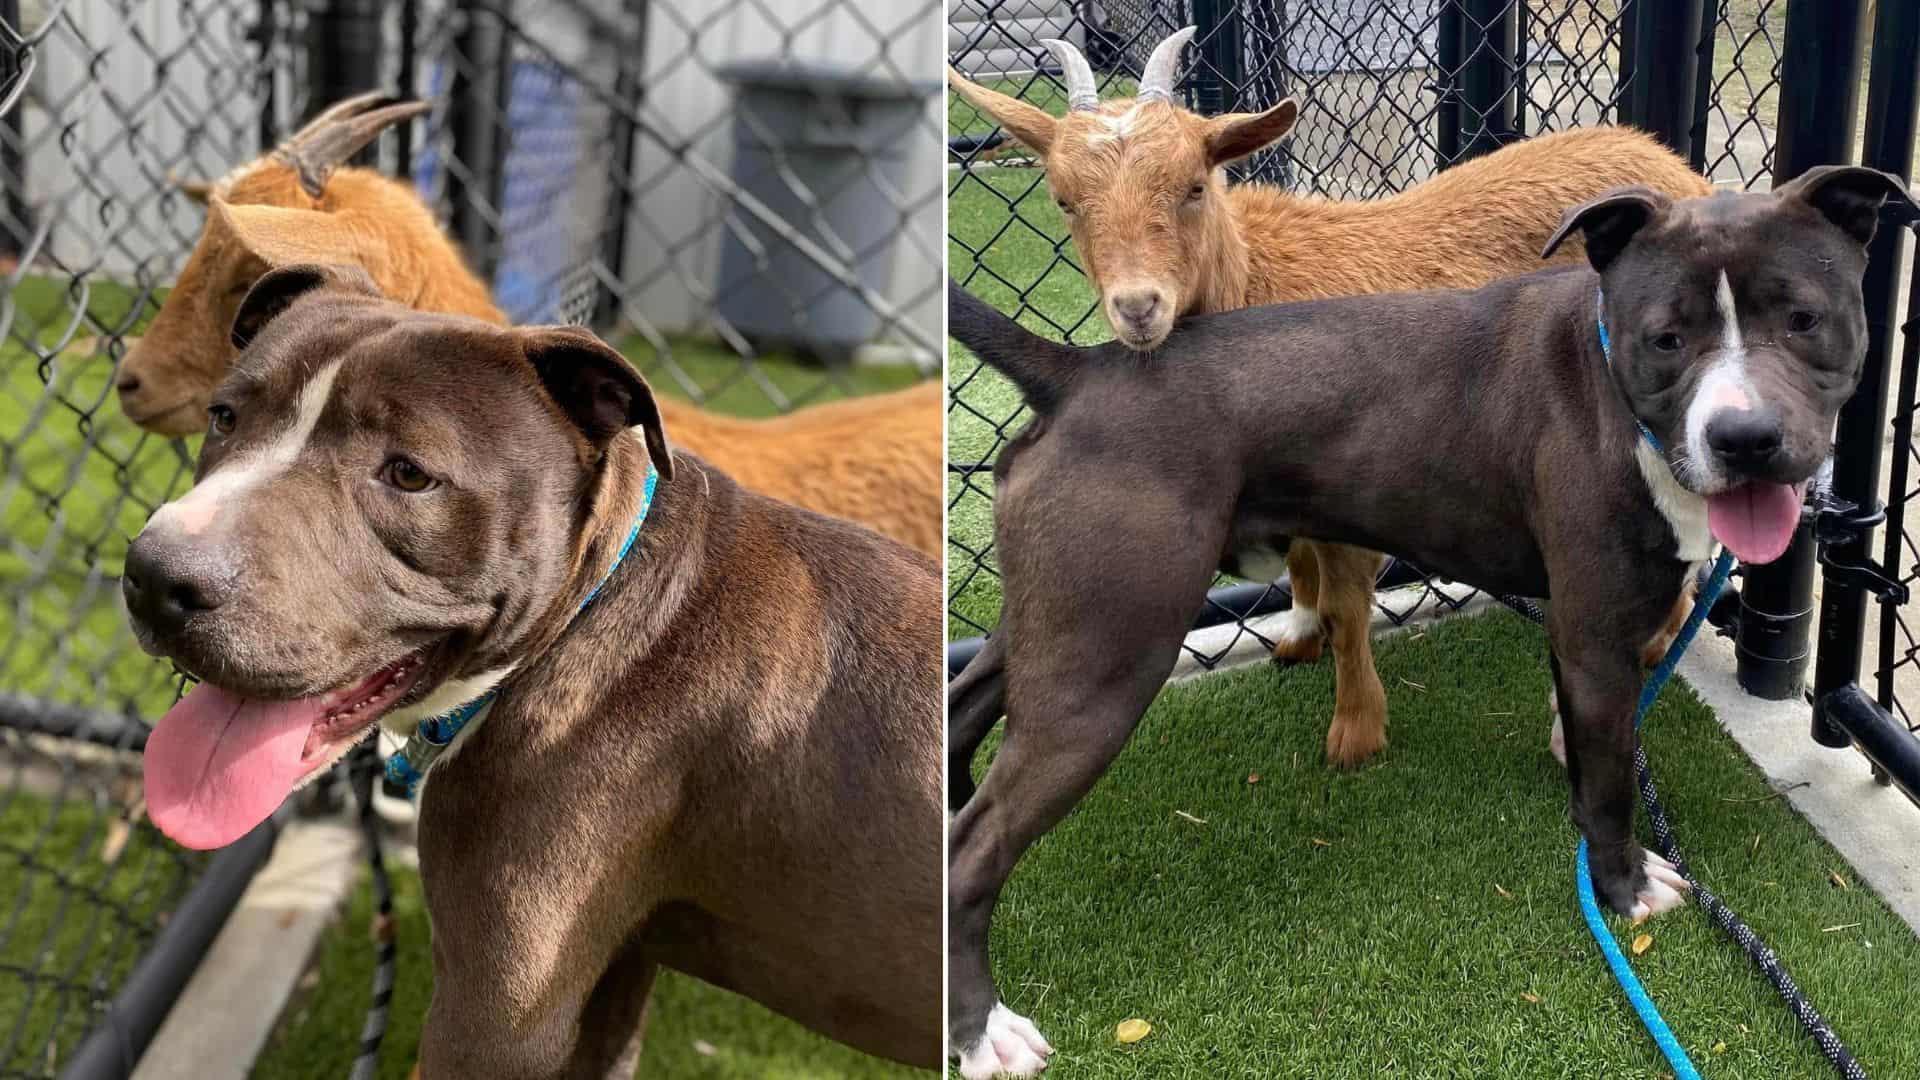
(694, 1031)
(76, 908)
(1333, 925)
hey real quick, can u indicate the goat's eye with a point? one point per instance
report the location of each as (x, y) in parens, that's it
(1065, 206)
(1196, 192)
(402, 474)
(221, 418)
(1667, 342)
(1801, 322)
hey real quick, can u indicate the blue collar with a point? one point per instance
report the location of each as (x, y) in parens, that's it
(1606, 353)
(409, 766)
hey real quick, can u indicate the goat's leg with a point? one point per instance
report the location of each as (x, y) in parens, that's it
(1359, 728)
(1302, 634)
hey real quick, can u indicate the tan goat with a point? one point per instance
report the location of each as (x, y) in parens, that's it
(1161, 235)
(875, 460)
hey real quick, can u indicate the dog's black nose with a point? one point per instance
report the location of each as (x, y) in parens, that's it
(1745, 440)
(167, 582)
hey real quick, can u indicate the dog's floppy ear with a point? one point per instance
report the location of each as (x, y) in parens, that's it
(1608, 222)
(596, 388)
(1850, 196)
(1236, 135)
(278, 289)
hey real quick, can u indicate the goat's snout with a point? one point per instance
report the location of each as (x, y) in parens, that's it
(1139, 315)
(1746, 441)
(170, 578)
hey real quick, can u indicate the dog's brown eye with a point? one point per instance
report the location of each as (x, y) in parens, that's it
(1668, 342)
(404, 475)
(221, 419)
(1801, 322)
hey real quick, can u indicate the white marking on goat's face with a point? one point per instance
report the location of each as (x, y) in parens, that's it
(1725, 385)
(197, 511)
(1115, 126)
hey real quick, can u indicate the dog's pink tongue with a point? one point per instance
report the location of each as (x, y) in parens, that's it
(1755, 521)
(218, 764)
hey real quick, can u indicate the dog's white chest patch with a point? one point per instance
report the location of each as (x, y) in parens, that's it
(1686, 513)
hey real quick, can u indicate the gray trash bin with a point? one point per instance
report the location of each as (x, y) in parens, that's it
(827, 149)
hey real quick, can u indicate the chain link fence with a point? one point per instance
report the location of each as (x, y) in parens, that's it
(1390, 92)
(742, 196)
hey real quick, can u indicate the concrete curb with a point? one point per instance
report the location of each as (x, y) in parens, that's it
(234, 1000)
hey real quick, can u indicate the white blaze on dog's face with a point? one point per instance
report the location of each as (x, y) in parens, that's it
(388, 505)
(1737, 332)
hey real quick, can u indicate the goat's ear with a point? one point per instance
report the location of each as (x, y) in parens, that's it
(1236, 135)
(597, 389)
(276, 292)
(1027, 123)
(282, 236)
(1850, 196)
(1608, 222)
(200, 191)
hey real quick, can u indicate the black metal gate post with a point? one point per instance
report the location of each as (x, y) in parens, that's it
(1842, 713)
(1702, 88)
(1666, 70)
(1446, 83)
(343, 50)
(13, 160)
(1819, 110)
(629, 89)
(1221, 76)
(477, 94)
(1487, 77)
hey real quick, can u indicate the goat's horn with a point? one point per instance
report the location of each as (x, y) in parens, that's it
(1081, 95)
(339, 133)
(341, 110)
(1163, 68)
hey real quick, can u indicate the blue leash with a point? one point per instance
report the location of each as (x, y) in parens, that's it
(1643, 1005)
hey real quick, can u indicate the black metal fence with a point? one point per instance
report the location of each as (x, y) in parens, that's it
(1392, 91)
(741, 195)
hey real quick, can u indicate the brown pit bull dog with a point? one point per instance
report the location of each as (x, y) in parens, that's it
(1584, 435)
(717, 750)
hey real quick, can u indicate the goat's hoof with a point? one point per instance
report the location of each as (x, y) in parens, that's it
(1353, 742)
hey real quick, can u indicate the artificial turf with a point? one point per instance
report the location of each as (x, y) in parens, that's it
(1416, 917)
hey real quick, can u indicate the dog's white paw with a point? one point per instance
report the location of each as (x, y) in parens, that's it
(1664, 891)
(1557, 741)
(1011, 1046)
(1298, 624)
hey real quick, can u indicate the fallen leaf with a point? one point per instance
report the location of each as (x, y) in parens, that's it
(1132, 1031)
(1530, 997)
(1503, 894)
(1317, 842)
(1834, 876)
(1642, 943)
(704, 1048)
(1719, 1048)
(1253, 778)
(1189, 817)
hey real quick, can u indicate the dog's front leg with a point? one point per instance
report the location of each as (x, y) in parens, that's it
(1598, 685)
